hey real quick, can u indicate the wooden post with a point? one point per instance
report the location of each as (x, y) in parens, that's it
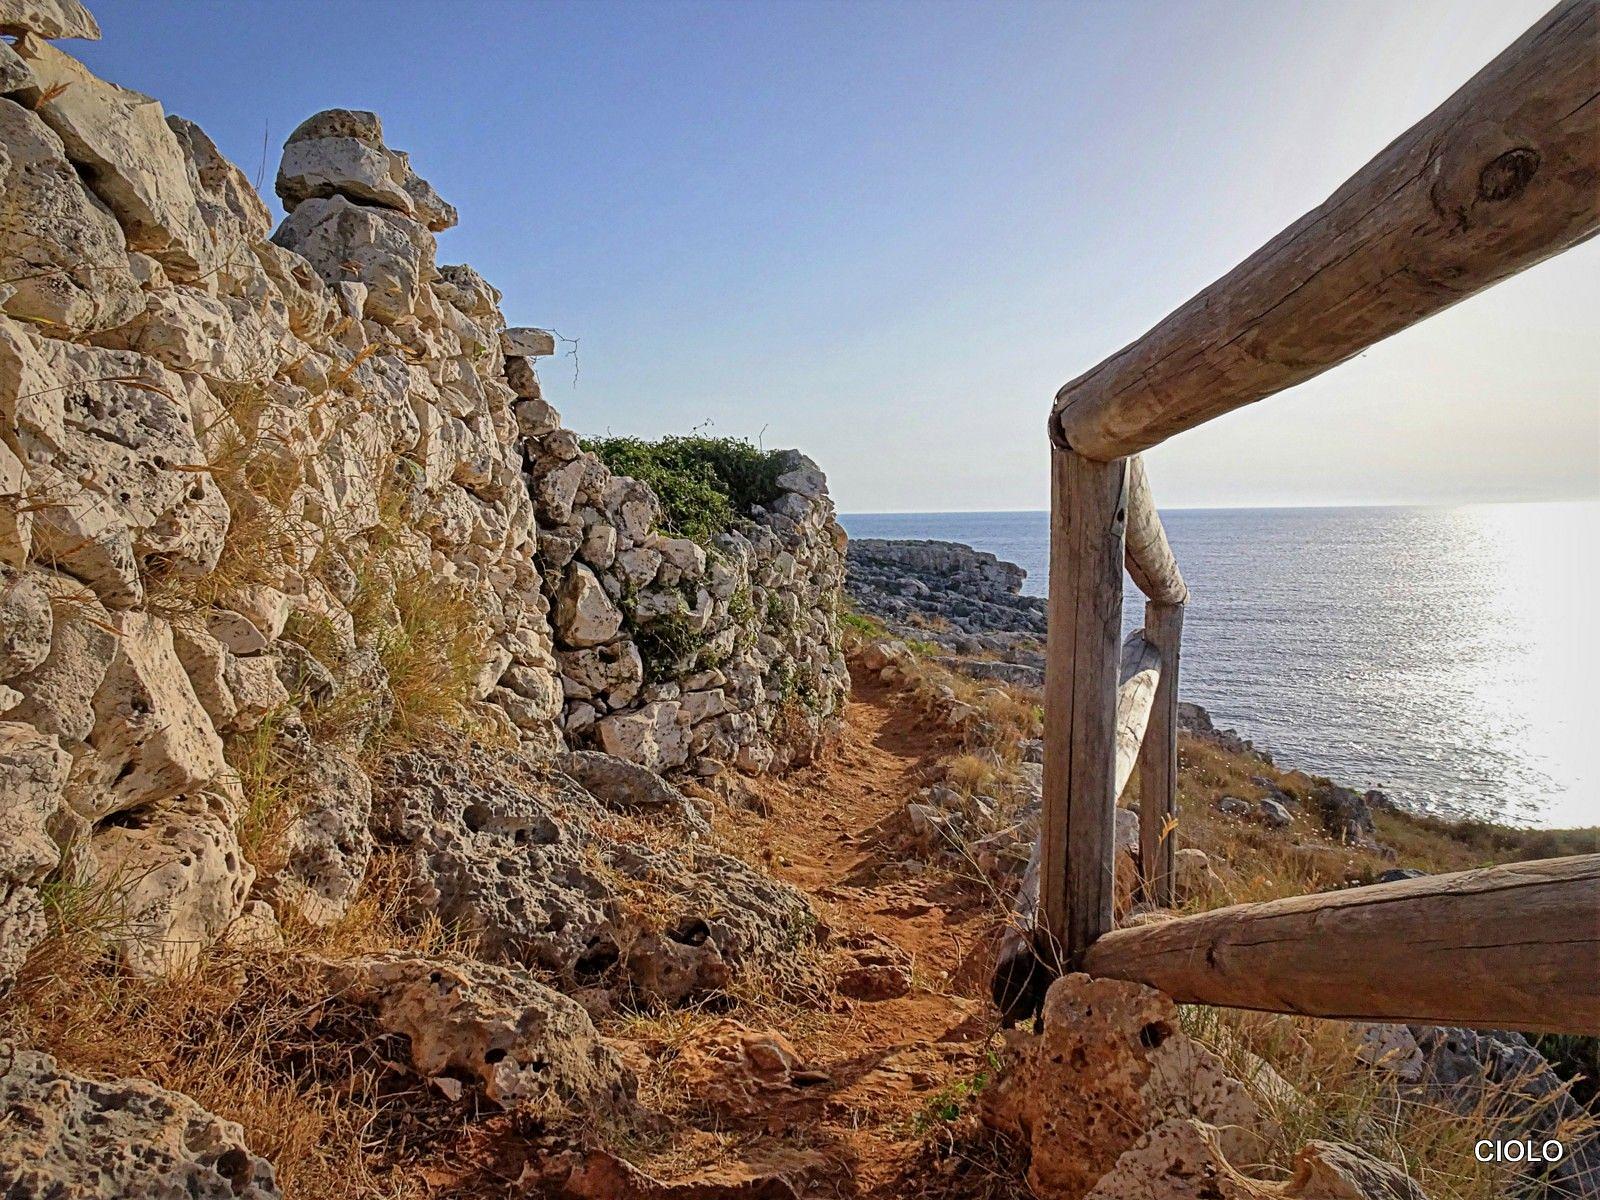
(1158, 760)
(1509, 947)
(1077, 877)
(1150, 559)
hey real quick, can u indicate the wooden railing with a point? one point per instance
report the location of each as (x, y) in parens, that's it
(1501, 176)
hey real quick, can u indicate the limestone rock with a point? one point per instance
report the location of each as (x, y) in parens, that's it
(513, 856)
(25, 623)
(527, 342)
(1183, 1159)
(328, 844)
(656, 736)
(584, 614)
(33, 780)
(58, 694)
(1111, 1063)
(385, 251)
(22, 927)
(152, 739)
(526, 1045)
(175, 873)
(738, 1072)
(48, 19)
(62, 254)
(132, 159)
(74, 1138)
(620, 784)
(14, 73)
(340, 166)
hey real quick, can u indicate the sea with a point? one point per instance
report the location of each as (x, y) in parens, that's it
(1445, 655)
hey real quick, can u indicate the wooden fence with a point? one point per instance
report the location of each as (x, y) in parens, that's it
(1501, 176)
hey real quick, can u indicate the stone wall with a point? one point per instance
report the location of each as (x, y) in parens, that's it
(291, 494)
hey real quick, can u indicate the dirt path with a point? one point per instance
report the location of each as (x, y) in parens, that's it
(891, 1061)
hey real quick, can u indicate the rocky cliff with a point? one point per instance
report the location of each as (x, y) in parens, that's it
(277, 505)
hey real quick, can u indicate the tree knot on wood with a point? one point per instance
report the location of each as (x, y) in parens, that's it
(1507, 176)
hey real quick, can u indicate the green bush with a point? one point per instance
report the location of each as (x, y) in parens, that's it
(704, 483)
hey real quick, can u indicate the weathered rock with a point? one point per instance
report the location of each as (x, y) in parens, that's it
(1111, 1063)
(525, 1044)
(74, 1138)
(656, 736)
(584, 614)
(327, 846)
(526, 342)
(175, 876)
(152, 739)
(48, 19)
(737, 1072)
(340, 166)
(511, 855)
(25, 623)
(620, 784)
(386, 252)
(62, 254)
(131, 158)
(58, 694)
(33, 780)
(1183, 1159)
(22, 927)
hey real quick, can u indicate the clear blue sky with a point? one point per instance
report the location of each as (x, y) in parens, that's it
(887, 233)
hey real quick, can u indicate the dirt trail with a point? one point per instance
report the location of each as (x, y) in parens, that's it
(889, 1061)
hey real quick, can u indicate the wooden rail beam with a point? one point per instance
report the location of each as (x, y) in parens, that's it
(1502, 175)
(1508, 947)
(1158, 760)
(1150, 560)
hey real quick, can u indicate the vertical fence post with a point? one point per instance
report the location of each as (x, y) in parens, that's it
(1158, 759)
(1077, 878)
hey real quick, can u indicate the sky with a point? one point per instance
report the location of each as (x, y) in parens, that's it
(887, 232)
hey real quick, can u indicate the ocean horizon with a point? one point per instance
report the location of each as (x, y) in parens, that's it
(1439, 653)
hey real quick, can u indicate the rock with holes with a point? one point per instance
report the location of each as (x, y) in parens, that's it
(48, 19)
(73, 1138)
(62, 253)
(172, 878)
(152, 739)
(1183, 1159)
(525, 1044)
(517, 857)
(58, 694)
(1111, 1063)
(25, 622)
(33, 783)
(328, 844)
(385, 251)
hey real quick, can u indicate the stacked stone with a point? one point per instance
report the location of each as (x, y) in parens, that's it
(758, 604)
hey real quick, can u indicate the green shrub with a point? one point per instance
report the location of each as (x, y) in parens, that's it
(704, 484)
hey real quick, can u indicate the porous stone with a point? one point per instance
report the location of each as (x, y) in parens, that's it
(386, 252)
(73, 1138)
(1112, 1062)
(525, 1044)
(328, 844)
(62, 253)
(48, 19)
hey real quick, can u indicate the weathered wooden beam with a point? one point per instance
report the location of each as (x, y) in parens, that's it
(1021, 975)
(1509, 947)
(1158, 760)
(1150, 560)
(1077, 826)
(1502, 175)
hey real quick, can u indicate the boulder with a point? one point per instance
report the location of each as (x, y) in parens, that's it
(74, 1138)
(526, 1045)
(58, 694)
(22, 927)
(386, 252)
(514, 857)
(175, 874)
(48, 19)
(1112, 1062)
(62, 254)
(340, 166)
(33, 780)
(327, 845)
(130, 157)
(25, 622)
(526, 342)
(656, 736)
(584, 614)
(1183, 1159)
(152, 739)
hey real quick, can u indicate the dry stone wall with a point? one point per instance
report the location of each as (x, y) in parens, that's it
(271, 494)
